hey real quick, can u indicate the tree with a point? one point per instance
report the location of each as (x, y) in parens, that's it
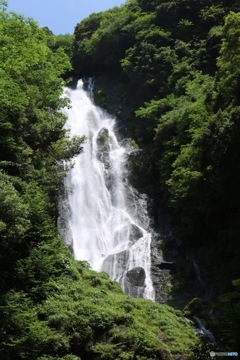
(228, 62)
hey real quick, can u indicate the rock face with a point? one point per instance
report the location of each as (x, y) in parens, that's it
(135, 233)
(116, 262)
(103, 147)
(161, 269)
(64, 214)
(103, 141)
(134, 281)
(136, 276)
(161, 277)
(166, 253)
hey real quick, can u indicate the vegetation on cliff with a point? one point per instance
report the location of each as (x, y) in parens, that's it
(174, 67)
(51, 306)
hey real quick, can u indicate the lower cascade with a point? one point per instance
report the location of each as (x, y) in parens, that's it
(106, 221)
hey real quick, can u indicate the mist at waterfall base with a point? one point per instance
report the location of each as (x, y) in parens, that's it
(107, 221)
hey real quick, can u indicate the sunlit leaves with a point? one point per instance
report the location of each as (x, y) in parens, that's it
(33, 142)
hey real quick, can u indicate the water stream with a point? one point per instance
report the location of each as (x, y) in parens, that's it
(107, 220)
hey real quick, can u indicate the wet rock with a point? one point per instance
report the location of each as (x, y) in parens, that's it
(136, 276)
(132, 281)
(161, 269)
(135, 233)
(63, 219)
(103, 140)
(138, 206)
(103, 155)
(117, 262)
(103, 147)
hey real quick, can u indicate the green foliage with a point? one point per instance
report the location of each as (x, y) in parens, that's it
(32, 139)
(14, 225)
(228, 61)
(202, 351)
(178, 96)
(231, 310)
(51, 306)
(64, 308)
(32, 145)
(177, 65)
(14, 211)
(65, 42)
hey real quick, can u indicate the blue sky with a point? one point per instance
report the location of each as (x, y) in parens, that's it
(60, 16)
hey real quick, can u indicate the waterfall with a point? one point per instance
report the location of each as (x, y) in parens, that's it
(107, 219)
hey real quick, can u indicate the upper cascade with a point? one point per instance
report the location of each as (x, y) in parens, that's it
(107, 220)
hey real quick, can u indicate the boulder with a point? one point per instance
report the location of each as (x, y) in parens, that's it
(114, 263)
(136, 276)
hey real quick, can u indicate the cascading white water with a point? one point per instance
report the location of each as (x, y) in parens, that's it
(107, 220)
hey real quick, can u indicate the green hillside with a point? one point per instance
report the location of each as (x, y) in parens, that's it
(51, 306)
